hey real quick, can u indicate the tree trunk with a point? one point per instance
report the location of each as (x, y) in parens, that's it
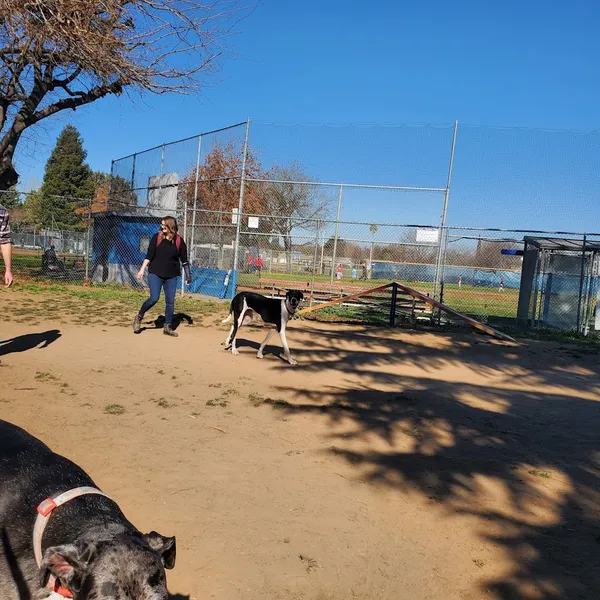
(8, 174)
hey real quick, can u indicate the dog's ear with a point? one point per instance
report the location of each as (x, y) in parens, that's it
(67, 563)
(165, 546)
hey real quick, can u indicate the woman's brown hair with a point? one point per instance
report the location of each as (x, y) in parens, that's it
(170, 225)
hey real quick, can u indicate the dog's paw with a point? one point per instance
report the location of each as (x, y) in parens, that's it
(290, 360)
(259, 355)
(235, 351)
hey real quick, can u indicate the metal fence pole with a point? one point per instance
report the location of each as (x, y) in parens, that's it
(314, 269)
(579, 298)
(441, 250)
(196, 194)
(87, 244)
(133, 172)
(337, 231)
(185, 240)
(238, 228)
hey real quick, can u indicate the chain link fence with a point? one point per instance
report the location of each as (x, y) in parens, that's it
(267, 208)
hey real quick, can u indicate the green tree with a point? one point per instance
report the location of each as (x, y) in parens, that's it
(67, 177)
(10, 199)
(32, 209)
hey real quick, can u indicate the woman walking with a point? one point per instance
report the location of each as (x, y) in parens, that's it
(166, 252)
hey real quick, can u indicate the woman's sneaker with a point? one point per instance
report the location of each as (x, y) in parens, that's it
(137, 324)
(168, 331)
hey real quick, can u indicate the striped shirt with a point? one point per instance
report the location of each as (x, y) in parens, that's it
(4, 226)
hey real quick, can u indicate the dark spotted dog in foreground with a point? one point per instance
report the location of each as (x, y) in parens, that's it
(61, 537)
(276, 311)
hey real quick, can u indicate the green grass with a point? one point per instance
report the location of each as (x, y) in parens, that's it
(113, 304)
(470, 300)
(114, 409)
(98, 304)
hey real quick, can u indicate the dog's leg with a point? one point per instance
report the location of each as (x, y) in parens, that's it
(266, 341)
(228, 340)
(286, 348)
(236, 326)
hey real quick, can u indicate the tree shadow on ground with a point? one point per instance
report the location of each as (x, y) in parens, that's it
(528, 422)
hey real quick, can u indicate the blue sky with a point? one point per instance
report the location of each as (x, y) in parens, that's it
(532, 65)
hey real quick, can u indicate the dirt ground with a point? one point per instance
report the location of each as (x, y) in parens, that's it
(386, 465)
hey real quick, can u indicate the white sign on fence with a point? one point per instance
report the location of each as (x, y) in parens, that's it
(252, 222)
(234, 216)
(427, 235)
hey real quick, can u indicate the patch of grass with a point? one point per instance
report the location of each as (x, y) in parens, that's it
(163, 402)
(114, 409)
(256, 399)
(309, 563)
(217, 402)
(43, 376)
(278, 403)
(479, 562)
(542, 474)
(555, 335)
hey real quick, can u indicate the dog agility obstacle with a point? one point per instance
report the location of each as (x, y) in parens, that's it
(408, 291)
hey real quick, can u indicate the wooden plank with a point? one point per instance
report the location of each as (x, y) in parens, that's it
(489, 330)
(344, 299)
(418, 295)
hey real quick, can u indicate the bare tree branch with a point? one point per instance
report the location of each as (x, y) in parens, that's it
(62, 54)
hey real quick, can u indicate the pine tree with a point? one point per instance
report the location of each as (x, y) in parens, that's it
(10, 199)
(67, 177)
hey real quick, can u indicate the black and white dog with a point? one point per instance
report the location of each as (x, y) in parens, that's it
(61, 537)
(275, 311)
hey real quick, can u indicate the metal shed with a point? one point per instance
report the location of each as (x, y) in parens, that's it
(559, 283)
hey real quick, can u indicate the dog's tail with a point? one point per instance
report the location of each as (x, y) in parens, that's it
(228, 317)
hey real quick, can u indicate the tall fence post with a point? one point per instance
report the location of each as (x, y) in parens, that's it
(133, 173)
(579, 298)
(236, 251)
(441, 249)
(87, 243)
(195, 195)
(337, 232)
(314, 269)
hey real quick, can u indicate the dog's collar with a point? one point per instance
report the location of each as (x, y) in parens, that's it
(44, 511)
(289, 308)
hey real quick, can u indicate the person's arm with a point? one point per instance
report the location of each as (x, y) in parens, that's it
(150, 254)
(6, 246)
(183, 257)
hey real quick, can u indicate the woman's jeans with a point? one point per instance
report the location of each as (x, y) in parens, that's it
(170, 286)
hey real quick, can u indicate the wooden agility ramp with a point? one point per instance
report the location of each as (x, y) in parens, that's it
(400, 289)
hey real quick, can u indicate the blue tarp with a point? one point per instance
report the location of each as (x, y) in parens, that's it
(212, 282)
(426, 273)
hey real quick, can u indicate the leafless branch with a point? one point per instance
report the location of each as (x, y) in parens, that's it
(62, 54)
